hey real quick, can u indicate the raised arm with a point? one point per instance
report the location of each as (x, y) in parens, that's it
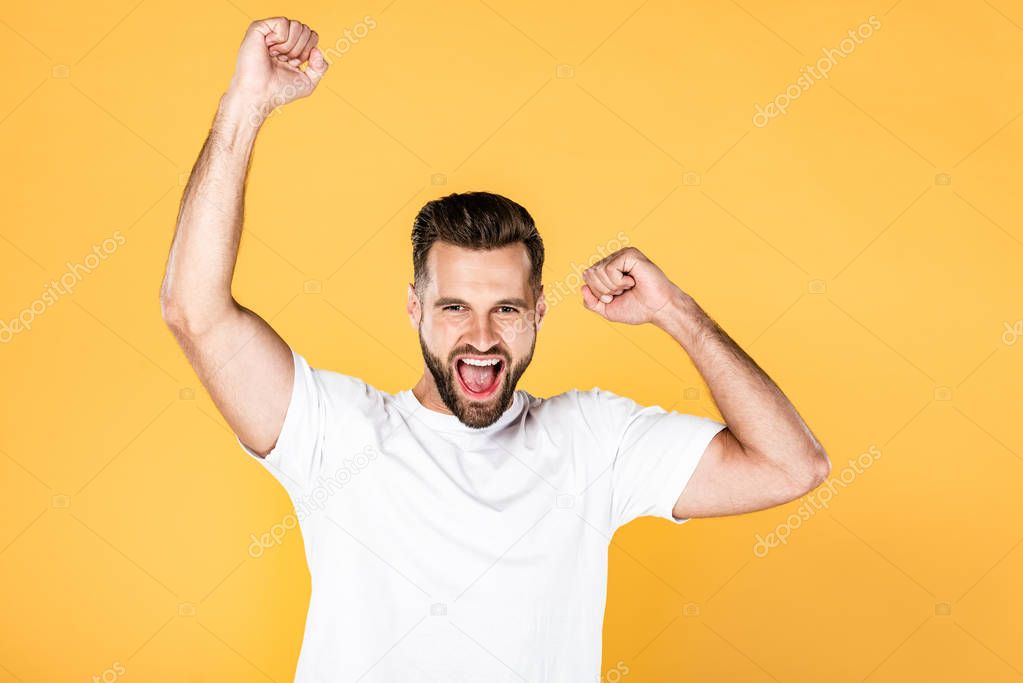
(246, 367)
(766, 455)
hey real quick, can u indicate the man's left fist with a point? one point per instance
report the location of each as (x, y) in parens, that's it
(626, 287)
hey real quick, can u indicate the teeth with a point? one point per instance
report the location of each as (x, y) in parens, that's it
(481, 363)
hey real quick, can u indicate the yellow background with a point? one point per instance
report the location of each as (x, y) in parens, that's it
(864, 248)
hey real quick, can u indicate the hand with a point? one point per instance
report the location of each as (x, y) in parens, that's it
(267, 73)
(626, 287)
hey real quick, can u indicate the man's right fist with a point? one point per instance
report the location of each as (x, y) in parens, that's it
(267, 73)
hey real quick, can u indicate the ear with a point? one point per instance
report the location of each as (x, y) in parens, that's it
(414, 308)
(541, 309)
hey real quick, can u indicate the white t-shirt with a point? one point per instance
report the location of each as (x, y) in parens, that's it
(439, 552)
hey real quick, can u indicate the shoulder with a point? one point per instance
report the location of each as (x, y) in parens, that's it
(566, 400)
(574, 396)
(339, 391)
(596, 408)
(590, 399)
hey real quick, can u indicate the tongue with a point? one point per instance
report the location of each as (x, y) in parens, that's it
(478, 378)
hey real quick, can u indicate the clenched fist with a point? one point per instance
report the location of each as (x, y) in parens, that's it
(626, 287)
(267, 73)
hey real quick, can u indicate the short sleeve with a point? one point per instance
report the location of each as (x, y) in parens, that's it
(655, 455)
(297, 457)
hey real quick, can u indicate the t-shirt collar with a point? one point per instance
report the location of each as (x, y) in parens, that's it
(414, 410)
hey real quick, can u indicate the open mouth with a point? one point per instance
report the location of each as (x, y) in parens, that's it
(479, 377)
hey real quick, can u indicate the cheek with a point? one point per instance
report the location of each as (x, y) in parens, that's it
(517, 336)
(440, 336)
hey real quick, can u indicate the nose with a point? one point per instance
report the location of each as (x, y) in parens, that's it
(483, 336)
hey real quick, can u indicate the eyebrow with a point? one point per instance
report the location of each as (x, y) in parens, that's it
(448, 301)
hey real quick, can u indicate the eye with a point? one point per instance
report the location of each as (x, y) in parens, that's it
(509, 309)
(451, 306)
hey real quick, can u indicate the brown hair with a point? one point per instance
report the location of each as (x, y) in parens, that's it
(474, 220)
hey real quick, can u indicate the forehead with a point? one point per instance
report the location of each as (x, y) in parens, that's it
(471, 273)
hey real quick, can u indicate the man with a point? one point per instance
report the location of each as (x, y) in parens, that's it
(458, 530)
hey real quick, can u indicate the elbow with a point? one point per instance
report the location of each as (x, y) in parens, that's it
(170, 307)
(185, 320)
(810, 472)
(171, 312)
(176, 316)
(820, 468)
(191, 314)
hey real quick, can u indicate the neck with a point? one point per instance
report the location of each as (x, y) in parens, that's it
(426, 391)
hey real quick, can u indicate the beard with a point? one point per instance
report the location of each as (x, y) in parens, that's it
(476, 414)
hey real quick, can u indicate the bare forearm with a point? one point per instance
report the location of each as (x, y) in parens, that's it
(756, 411)
(197, 283)
(243, 363)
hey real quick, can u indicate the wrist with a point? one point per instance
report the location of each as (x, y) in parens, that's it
(681, 317)
(238, 119)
